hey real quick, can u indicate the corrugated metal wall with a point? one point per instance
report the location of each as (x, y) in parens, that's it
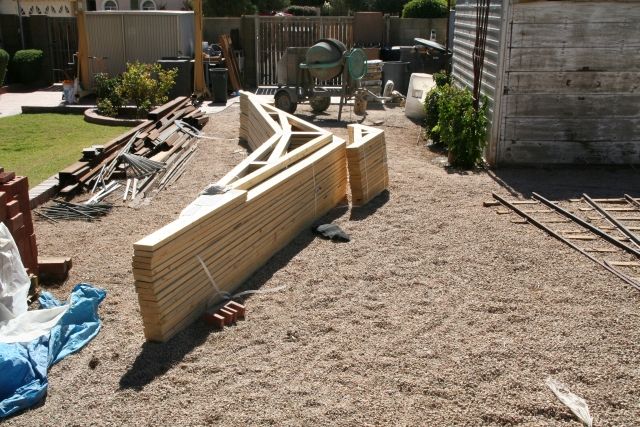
(463, 40)
(116, 38)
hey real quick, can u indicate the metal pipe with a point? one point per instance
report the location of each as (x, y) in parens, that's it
(552, 233)
(612, 220)
(631, 200)
(586, 225)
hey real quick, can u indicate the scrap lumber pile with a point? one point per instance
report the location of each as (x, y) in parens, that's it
(294, 177)
(367, 157)
(230, 61)
(15, 213)
(150, 156)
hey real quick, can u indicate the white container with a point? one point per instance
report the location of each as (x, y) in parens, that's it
(419, 85)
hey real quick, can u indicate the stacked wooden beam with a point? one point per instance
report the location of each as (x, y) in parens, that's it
(297, 175)
(15, 213)
(367, 157)
(164, 137)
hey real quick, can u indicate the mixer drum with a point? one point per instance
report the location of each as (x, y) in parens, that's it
(325, 51)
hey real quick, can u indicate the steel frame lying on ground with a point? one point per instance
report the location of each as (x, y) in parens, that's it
(609, 266)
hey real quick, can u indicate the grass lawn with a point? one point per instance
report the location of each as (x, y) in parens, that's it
(39, 145)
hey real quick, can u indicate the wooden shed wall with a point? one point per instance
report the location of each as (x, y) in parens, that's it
(571, 84)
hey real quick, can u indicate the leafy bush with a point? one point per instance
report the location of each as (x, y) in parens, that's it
(431, 106)
(462, 129)
(425, 9)
(441, 78)
(108, 94)
(431, 111)
(302, 10)
(389, 6)
(228, 7)
(267, 6)
(4, 62)
(27, 65)
(146, 85)
(316, 3)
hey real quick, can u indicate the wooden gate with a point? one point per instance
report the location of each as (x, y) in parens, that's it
(276, 33)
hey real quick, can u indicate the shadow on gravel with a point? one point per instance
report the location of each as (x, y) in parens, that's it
(156, 359)
(569, 182)
(362, 212)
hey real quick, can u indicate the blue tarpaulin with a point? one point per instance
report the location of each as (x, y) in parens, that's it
(23, 366)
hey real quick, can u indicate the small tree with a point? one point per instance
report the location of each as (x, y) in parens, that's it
(146, 85)
(425, 9)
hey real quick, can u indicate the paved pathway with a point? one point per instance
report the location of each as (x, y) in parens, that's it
(12, 102)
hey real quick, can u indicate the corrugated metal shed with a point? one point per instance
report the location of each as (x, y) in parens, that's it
(562, 79)
(116, 38)
(464, 36)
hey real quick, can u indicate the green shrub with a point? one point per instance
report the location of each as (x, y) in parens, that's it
(431, 106)
(335, 8)
(431, 111)
(462, 129)
(146, 85)
(228, 7)
(316, 3)
(27, 65)
(4, 63)
(108, 94)
(389, 6)
(441, 78)
(425, 9)
(302, 10)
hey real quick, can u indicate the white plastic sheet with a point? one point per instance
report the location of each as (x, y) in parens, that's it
(14, 282)
(574, 402)
(16, 323)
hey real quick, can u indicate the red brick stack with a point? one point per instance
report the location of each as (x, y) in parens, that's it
(15, 213)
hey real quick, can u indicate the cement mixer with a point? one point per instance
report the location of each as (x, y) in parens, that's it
(301, 72)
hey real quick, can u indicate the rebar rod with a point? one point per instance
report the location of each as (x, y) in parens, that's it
(613, 220)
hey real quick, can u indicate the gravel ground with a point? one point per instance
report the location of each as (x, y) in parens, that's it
(438, 312)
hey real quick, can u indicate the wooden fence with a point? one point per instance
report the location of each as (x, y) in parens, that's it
(276, 34)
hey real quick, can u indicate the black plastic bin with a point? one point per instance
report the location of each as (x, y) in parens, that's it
(218, 83)
(399, 72)
(184, 79)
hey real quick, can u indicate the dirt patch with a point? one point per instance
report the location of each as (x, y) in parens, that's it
(438, 312)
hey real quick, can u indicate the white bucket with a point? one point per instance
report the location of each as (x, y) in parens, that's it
(419, 85)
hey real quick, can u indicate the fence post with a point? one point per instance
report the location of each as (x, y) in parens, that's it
(387, 28)
(248, 36)
(256, 40)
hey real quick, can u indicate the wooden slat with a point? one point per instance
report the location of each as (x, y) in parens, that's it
(239, 230)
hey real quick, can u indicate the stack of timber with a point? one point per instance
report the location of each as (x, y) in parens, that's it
(367, 157)
(373, 79)
(293, 178)
(161, 145)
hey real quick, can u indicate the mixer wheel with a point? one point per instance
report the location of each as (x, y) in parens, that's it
(320, 103)
(284, 102)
